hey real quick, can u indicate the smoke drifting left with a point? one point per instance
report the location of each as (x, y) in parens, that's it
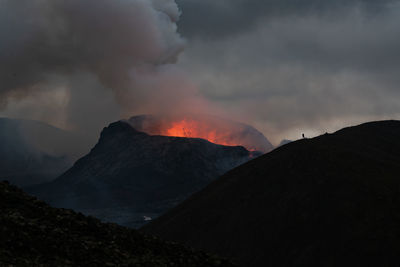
(77, 52)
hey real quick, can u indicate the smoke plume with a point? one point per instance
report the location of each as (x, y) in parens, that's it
(76, 52)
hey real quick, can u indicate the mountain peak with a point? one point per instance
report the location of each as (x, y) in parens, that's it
(119, 127)
(140, 173)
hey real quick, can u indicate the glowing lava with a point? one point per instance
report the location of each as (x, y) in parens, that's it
(197, 129)
(214, 129)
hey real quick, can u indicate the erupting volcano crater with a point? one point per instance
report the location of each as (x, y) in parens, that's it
(213, 129)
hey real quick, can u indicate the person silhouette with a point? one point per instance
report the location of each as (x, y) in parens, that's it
(303, 136)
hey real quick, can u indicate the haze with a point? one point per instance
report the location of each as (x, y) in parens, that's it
(286, 67)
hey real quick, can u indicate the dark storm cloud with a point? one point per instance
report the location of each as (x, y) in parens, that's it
(290, 65)
(282, 65)
(216, 19)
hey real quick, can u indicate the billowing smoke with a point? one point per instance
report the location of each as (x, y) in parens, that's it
(86, 62)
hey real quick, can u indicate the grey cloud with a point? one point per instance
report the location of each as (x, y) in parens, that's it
(282, 65)
(287, 72)
(107, 38)
(208, 19)
(88, 46)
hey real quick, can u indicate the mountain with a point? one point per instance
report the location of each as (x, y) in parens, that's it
(24, 158)
(214, 129)
(35, 234)
(52, 140)
(130, 177)
(333, 200)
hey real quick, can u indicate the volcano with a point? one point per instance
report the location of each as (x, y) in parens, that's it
(328, 201)
(214, 129)
(130, 176)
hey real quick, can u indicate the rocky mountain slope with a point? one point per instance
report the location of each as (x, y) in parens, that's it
(333, 200)
(130, 176)
(35, 234)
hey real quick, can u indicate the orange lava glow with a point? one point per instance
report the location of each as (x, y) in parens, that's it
(198, 129)
(214, 129)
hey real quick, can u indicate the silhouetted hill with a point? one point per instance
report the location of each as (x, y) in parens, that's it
(23, 160)
(35, 234)
(333, 200)
(130, 174)
(54, 141)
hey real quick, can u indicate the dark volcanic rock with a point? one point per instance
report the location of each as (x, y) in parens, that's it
(34, 234)
(333, 200)
(132, 172)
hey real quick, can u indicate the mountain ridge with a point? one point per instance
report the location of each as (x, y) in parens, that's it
(129, 168)
(23, 161)
(328, 201)
(224, 130)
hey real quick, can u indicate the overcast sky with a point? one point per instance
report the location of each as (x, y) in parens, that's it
(292, 66)
(284, 66)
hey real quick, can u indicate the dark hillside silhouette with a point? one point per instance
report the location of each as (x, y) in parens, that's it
(333, 200)
(35, 234)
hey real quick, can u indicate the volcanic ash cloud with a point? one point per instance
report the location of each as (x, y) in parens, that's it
(53, 45)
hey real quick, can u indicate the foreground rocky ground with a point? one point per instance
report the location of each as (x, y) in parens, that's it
(35, 234)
